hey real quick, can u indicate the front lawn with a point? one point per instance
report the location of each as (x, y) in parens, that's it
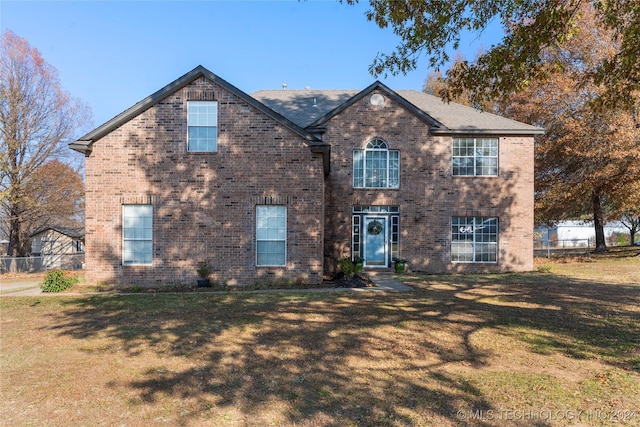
(546, 349)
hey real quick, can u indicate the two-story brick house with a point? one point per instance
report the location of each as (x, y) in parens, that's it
(281, 184)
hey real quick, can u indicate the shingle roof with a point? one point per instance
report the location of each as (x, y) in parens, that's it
(75, 233)
(303, 107)
(306, 107)
(458, 118)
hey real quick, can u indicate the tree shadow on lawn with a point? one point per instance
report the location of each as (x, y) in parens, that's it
(363, 358)
(579, 318)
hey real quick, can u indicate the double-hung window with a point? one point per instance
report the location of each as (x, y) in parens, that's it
(271, 236)
(202, 126)
(474, 239)
(376, 166)
(475, 156)
(137, 227)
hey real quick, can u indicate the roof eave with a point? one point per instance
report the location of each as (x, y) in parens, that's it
(74, 233)
(476, 131)
(81, 146)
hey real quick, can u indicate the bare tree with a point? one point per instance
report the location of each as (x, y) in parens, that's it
(631, 221)
(36, 118)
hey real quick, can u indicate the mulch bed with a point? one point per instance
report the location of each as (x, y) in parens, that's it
(337, 280)
(340, 281)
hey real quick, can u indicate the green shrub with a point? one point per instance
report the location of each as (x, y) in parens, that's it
(545, 268)
(347, 267)
(57, 281)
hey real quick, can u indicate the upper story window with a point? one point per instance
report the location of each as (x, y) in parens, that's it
(475, 156)
(202, 124)
(376, 166)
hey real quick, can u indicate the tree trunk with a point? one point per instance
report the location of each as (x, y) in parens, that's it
(14, 237)
(14, 243)
(598, 223)
(17, 239)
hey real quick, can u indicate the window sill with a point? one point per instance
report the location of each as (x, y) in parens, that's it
(376, 188)
(475, 176)
(474, 262)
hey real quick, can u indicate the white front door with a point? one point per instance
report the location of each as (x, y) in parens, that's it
(375, 241)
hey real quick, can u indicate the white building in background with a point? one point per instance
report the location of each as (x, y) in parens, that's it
(55, 244)
(576, 233)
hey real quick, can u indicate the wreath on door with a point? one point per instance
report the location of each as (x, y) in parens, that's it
(374, 228)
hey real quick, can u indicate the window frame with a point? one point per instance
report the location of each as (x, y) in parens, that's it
(475, 158)
(282, 230)
(480, 238)
(205, 117)
(362, 158)
(135, 259)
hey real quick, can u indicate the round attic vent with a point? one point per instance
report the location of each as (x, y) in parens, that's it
(376, 99)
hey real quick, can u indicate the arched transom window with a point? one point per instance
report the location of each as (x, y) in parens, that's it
(376, 166)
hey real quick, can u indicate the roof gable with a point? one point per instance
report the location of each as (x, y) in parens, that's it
(84, 143)
(312, 108)
(390, 94)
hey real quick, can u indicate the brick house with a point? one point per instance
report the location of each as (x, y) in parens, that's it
(282, 184)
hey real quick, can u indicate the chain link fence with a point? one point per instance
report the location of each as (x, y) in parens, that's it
(562, 248)
(38, 264)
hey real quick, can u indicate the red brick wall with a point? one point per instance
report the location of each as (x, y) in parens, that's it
(204, 203)
(429, 195)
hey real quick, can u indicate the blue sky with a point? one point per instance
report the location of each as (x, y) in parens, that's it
(112, 54)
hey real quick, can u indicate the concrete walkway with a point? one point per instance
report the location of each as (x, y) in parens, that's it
(28, 287)
(386, 282)
(20, 287)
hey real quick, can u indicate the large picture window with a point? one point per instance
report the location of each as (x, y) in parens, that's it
(475, 156)
(376, 166)
(271, 236)
(137, 233)
(474, 239)
(202, 126)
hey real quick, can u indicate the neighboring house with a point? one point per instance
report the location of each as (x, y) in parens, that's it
(55, 244)
(282, 184)
(577, 233)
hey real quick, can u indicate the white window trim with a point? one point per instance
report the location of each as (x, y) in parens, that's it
(364, 164)
(272, 240)
(130, 239)
(496, 243)
(189, 105)
(474, 157)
